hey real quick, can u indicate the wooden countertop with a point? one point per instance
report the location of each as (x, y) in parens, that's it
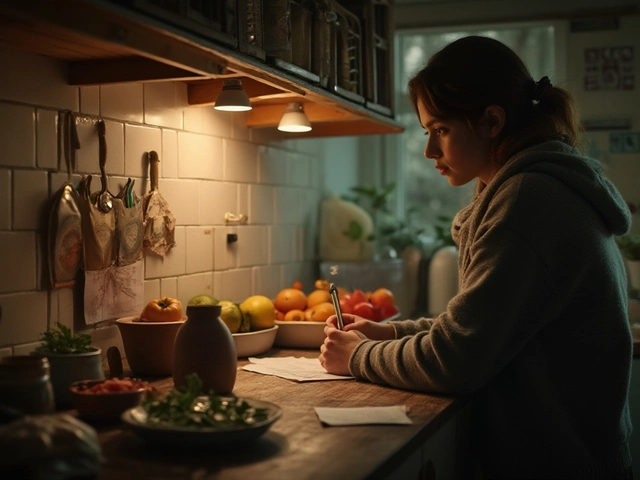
(297, 445)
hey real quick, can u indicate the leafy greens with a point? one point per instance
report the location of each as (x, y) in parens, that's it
(188, 407)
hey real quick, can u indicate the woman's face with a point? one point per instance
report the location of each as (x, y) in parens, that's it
(461, 154)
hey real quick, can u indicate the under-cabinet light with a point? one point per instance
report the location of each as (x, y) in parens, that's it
(232, 98)
(294, 119)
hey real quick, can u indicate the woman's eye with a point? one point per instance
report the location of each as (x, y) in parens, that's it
(438, 131)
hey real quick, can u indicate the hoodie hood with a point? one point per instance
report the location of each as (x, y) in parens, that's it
(580, 173)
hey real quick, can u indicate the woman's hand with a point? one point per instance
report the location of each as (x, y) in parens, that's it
(337, 348)
(372, 330)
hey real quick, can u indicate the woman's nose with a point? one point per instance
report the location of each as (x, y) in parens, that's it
(430, 150)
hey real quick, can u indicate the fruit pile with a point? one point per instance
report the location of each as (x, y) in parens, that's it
(292, 304)
(256, 312)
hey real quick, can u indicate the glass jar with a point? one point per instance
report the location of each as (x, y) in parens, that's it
(25, 384)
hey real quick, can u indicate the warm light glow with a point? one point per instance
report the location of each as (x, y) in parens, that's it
(232, 98)
(294, 119)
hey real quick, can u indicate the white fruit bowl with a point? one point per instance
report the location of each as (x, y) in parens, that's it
(254, 343)
(305, 334)
(300, 334)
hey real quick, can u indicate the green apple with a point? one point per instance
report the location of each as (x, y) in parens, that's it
(203, 299)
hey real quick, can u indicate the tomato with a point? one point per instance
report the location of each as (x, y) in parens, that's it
(388, 311)
(382, 297)
(346, 306)
(364, 310)
(164, 309)
(357, 297)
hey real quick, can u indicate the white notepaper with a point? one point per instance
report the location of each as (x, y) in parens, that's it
(393, 415)
(292, 368)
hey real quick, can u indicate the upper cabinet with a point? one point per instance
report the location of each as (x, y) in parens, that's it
(333, 57)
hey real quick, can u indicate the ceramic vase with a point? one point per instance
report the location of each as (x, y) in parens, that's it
(443, 279)
(204, 345)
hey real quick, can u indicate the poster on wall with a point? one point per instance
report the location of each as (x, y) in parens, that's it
(609, 68)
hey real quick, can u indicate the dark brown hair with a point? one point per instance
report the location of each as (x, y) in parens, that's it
(471, 73)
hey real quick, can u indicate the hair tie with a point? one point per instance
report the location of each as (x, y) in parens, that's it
(541, 88)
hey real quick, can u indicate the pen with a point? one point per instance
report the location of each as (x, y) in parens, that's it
(333, 291)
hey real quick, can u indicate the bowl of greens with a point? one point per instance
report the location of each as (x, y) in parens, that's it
(187, 418)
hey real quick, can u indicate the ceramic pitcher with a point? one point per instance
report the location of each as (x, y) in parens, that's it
(204, 345)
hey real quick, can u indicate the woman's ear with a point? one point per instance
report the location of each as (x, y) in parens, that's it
(494, 116)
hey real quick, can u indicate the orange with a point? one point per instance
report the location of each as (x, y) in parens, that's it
(382, 297)
(322, 285)
(297, 285)
(279, 315)
(290, 299)
(294, 316)
(260, 312)
(321, 312)
(318, 296)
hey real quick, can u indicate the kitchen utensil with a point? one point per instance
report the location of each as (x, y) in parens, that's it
(65, 221)
(159, 222)
(104, 198)
(333, 291)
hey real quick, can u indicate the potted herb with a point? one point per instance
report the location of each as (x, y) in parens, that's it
(71, 358)
(629, 246)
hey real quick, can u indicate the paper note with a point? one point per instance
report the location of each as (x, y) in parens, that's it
(292, 368)
(394, 415)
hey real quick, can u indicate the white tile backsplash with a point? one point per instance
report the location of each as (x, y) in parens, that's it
(47, 139)
(253, 245)
(163, 104)
(211, 164)
(169, 154)
(122, 102)
(90, 100)
(199, 249)
(284, 247)
(17, 136)
(267, 280)
(5, 198)
(216, 199)
(138, 142)
(30, 200)
(168, 288)
(261, 204)
(182, 197)
(200, 156)
(24, 317)
(240, 161)
(225, 254)
(18, 259)
(232, 284)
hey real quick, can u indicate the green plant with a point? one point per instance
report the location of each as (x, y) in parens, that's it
(629, 246)
(62, 340)
(389, 230)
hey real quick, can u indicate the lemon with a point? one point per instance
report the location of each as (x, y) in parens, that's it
(259, 311)
(203, 299)
(231, 315)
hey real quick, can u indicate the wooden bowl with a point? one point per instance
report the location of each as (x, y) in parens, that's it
(106, 405)
(148, 346)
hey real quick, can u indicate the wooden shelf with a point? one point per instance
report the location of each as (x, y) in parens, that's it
(104, 43)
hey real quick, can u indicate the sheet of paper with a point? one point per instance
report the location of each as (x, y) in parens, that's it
(292, 368)
(394, 415)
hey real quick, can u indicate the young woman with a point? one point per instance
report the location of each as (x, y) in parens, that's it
(538, 331)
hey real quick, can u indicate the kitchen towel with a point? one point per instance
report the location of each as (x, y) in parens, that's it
(292, 368)
(393, 415)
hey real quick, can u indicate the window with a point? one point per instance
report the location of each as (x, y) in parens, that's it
(423, 186)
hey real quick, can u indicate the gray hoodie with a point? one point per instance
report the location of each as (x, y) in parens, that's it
(538, 331)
